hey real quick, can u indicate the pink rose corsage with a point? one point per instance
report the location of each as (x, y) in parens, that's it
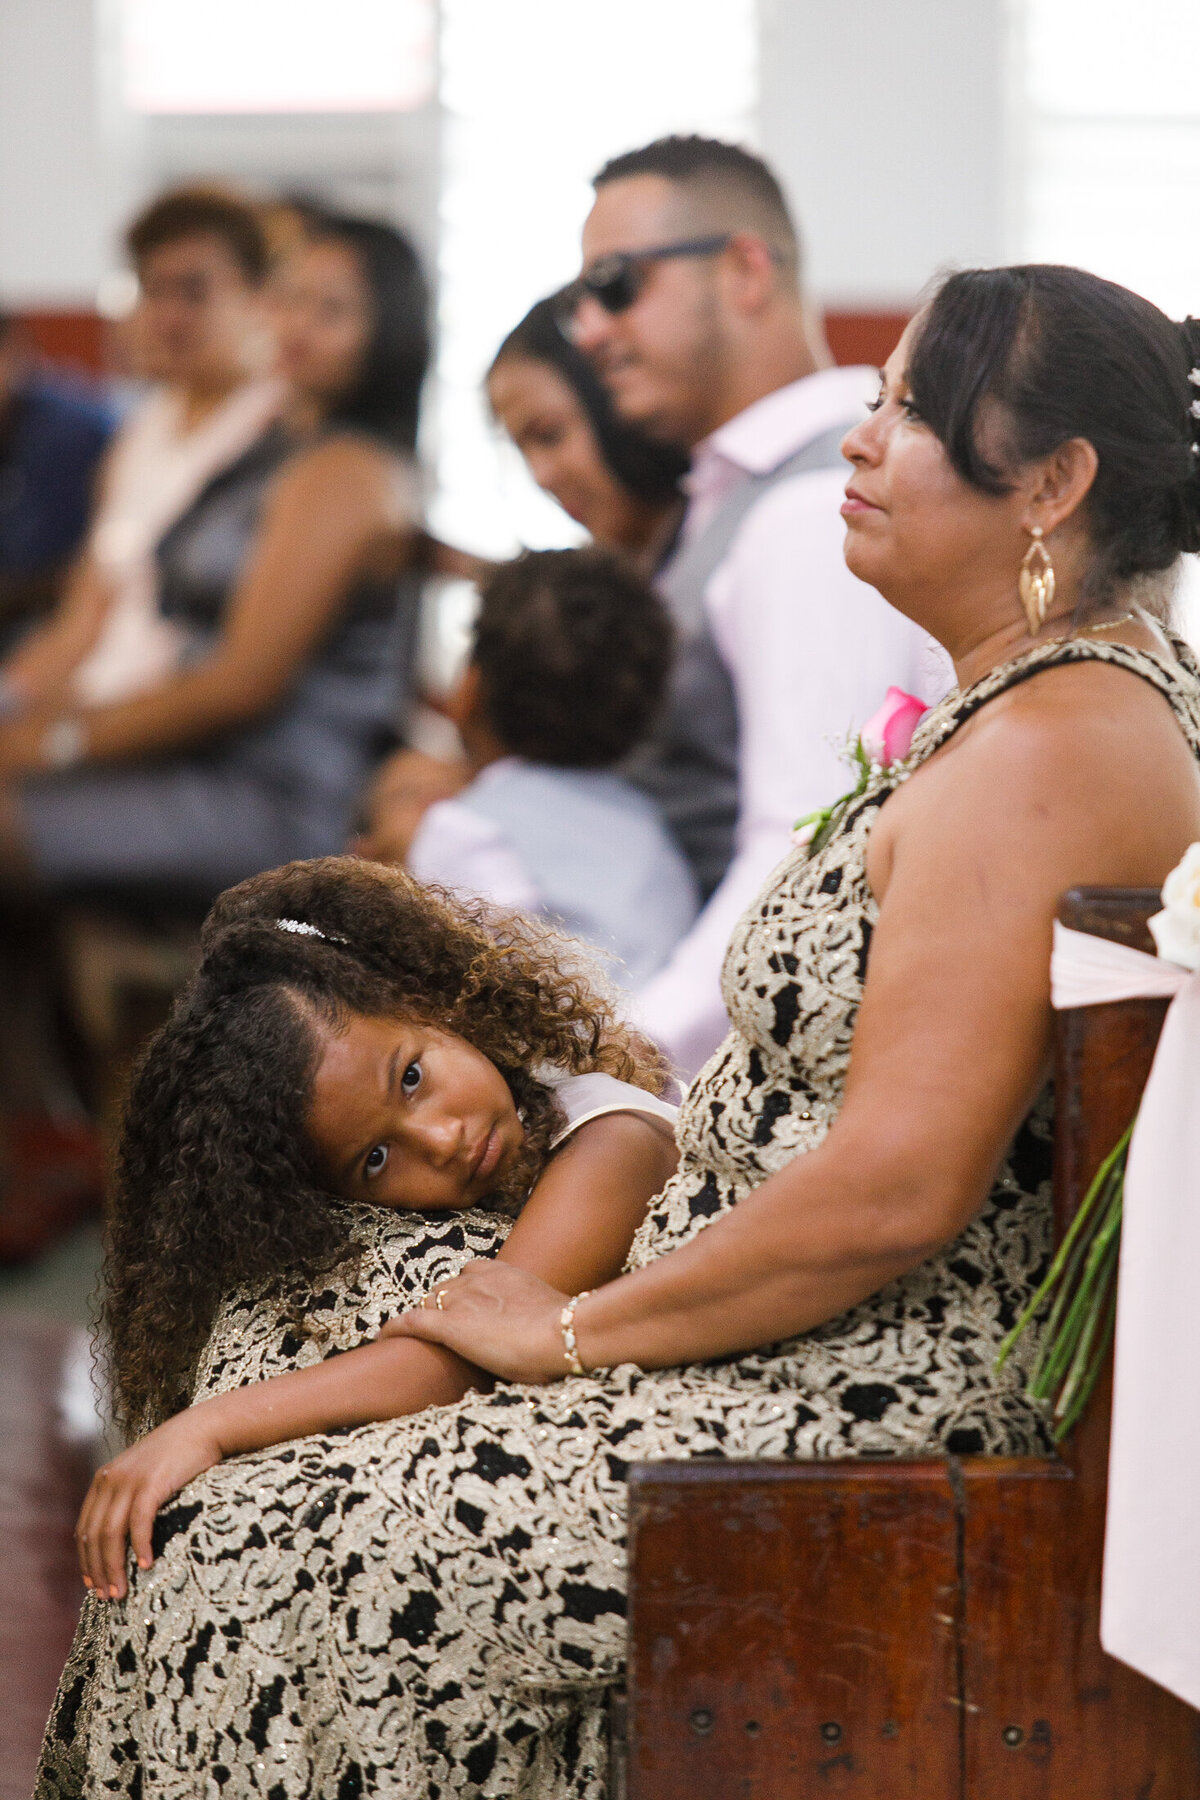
(880, 747)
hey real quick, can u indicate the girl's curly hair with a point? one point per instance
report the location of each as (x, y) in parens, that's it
(217, 1186)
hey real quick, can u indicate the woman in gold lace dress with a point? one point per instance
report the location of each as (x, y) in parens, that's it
(432, 1606)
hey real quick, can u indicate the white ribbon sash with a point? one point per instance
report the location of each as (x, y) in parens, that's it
(1150, 1610)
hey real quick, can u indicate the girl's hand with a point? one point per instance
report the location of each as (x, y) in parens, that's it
(497, 1316)
(126, 1494)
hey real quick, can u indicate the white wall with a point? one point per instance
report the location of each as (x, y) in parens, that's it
(886, 121)
(74, 162)
(885, 117)
(53, 166)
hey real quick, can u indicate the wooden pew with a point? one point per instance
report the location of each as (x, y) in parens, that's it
(908, 1630)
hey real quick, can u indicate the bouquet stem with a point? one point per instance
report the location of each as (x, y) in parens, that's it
(1083, 1281)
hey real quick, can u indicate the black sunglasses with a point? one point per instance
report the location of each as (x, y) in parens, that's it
(616, 281)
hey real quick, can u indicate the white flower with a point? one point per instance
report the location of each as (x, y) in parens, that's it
(1176, 929)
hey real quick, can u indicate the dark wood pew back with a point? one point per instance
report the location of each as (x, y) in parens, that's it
(909, 1630)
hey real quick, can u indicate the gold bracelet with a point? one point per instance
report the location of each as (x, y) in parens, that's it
(567, 1320)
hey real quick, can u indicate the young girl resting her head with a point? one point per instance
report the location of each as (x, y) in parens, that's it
(360, 1088)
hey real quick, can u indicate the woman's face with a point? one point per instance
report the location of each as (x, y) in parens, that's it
(405, 1115)
(546, 421)
(323, 319)
(914, 528)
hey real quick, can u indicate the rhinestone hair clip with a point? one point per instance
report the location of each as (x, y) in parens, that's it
(302, 928)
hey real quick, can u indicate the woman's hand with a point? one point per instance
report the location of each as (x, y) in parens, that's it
(497, 1316)
(126, 1494)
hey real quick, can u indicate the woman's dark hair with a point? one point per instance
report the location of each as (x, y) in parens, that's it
(1065, 354)
(573, 651)
(217, 1186)
(649, 470)
(386, 398)
(203, 211)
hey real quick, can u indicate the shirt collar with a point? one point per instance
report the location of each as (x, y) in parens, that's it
(764, 433)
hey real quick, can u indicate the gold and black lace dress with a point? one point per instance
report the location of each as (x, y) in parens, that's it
(433, 1607)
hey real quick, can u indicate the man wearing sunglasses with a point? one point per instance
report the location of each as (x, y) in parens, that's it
(691, 307)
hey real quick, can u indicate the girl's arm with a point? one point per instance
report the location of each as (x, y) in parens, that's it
(574, 1231)
(329, 510)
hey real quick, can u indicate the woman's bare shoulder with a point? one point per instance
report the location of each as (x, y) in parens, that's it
(346, 456)
(1085, 743)
(1081, 774)
(1091, 709)
(355, 473)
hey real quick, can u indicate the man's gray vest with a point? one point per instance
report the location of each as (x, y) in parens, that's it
(690, 765)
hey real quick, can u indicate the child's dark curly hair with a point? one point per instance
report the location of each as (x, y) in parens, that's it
(217, 1186)
(573, 651)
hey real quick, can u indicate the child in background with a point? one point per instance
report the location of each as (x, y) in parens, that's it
(568, 668)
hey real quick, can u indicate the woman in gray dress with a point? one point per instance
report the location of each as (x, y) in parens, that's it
(433, 1606)
(282, 574)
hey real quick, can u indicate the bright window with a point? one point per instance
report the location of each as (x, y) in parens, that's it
(1112, 142)
(537, 94)
(262, 56)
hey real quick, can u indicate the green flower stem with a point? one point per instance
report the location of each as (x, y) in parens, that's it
(1083, 1281)
(1071, 1417)
(1074, 1233)
(1081, 1376)
(1078, 1292)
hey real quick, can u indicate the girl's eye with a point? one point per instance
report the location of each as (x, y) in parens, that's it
(910, 408)
(376, 1161)
(410, 1081)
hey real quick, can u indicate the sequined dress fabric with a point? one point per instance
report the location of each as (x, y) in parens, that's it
(434, 1606)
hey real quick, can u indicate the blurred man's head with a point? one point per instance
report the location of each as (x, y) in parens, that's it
(680, 337)
(201, 258)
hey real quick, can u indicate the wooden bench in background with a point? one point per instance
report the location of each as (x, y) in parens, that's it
(909, 1630)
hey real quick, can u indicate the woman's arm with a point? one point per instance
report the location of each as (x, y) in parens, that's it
(1043, 793)
(329, 509)
(575, 1230)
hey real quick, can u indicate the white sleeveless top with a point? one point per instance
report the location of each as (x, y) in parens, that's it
(587, 1097)
(156, 468)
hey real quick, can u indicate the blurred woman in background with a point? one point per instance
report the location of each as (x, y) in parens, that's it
(279, 580)
(621, 486)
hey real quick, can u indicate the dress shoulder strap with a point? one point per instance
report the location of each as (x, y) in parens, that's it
(1174, 672)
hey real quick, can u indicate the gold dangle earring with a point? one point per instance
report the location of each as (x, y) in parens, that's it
(1036, 582)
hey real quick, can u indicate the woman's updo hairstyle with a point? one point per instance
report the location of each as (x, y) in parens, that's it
(1066, 354)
